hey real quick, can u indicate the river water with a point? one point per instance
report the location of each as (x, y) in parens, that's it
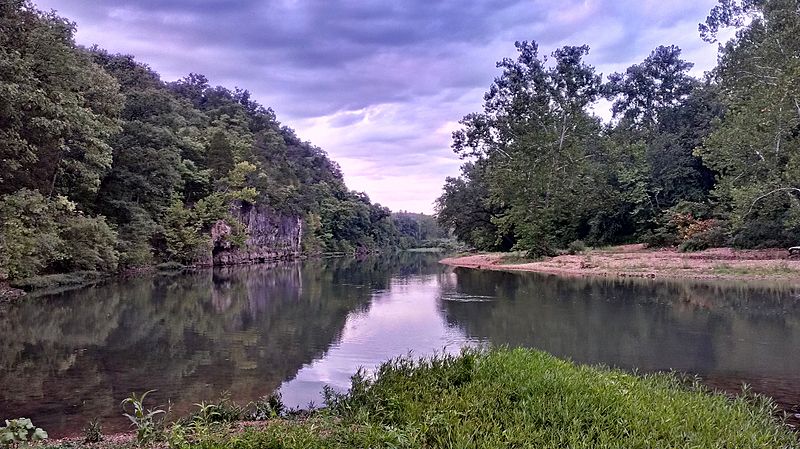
(72, 357)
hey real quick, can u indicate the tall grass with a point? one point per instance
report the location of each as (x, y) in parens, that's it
(520, 398)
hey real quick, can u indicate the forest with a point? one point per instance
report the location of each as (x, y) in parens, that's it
(105, 167)
(683, 161)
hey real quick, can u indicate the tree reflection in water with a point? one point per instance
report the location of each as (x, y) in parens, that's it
(72, 357)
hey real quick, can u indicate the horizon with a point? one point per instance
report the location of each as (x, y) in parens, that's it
(379, 88)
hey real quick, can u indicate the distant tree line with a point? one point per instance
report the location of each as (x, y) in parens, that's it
(104, 166)
(691, 162)
(419, 230)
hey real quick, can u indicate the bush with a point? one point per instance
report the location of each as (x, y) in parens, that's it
(93, 433)
(660, 238)
(688, 226)
(712, 236)
(88, 244)
(576, 247)
(762, 234)
(268, 407)
(20, 430)
(170, 266)
(135, 240)
(147, 422)
(39, 234)
(29, 239)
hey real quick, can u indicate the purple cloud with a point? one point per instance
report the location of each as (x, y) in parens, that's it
(380, 85)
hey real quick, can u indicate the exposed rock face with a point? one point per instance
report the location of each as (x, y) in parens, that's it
(272, 236)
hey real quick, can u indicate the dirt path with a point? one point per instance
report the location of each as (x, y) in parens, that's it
(638, 261)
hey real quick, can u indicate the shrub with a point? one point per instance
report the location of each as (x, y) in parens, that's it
(762, 234)
(39, 234)
(712, 235)
(29, 239)
(267, 407)
(20, 430)
(170, 266)
(185, 241)
(93, 432)
(88, 244)
(576, 247)
(135, 239)
(223, 411)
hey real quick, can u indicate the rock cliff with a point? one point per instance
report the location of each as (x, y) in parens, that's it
(271, 236)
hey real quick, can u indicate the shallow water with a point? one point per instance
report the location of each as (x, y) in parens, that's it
(68, 358)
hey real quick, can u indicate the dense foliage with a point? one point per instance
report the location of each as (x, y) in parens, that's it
(103, 165)
(516, 398)
(418, 230)
(684, 161)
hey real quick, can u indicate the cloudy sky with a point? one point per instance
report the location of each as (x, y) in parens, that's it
(379, 84)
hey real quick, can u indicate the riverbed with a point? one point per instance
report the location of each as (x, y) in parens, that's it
(245, 331)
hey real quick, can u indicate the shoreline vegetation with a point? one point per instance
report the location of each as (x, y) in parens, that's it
(57, 283)
(481, 398)
(638, 261)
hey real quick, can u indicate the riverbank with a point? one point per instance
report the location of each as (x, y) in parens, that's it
(496, 398)
(638, 261)
(60, 282)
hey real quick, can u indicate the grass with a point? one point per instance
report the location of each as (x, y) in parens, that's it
(170, 266)
(518, 258)
(517, 398)
(774, 270)
(54, 281)
(435, 249)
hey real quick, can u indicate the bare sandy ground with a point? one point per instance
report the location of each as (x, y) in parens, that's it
(638, 261)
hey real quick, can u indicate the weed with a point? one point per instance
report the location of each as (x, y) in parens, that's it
(20, 430)
(93, 432)
(224, 410)
(576, 247)
(267, 407)
(145, 421)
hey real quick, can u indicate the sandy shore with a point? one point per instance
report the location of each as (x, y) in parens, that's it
(638, 261)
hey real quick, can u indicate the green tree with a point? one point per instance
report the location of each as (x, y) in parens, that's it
(755, 149)
(538, 140)
(57, 108)
(219, 157)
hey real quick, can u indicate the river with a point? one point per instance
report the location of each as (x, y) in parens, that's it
(72, 357)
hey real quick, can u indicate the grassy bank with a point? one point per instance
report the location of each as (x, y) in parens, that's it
(506, 398)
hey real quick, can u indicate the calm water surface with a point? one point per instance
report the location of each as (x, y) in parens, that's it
(72, 357)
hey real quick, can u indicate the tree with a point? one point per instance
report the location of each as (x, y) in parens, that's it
(466, 208)
(755, 149)
(57, 108)
(219, 157)
(647, 90)
(663, 115)
(537, 141)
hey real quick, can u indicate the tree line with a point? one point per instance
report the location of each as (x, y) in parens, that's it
(686, 161)
(104, 166)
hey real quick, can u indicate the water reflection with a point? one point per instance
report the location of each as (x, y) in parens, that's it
(69, 358)
(72, 357)
(728, 333)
